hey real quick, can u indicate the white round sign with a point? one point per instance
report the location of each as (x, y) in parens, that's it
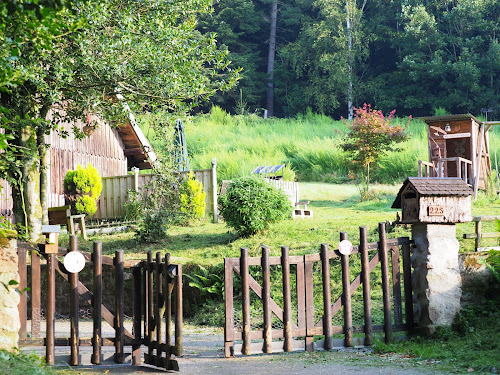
(345, 247)
(74, 261)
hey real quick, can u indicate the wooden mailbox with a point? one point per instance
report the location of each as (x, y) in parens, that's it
(434, 200)
(51, 239)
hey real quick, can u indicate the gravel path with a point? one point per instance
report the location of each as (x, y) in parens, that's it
(203, 355)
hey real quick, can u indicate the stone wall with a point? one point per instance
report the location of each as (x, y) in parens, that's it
(9, 297)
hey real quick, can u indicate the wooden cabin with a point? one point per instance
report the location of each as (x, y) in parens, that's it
(113, 151)
(434, 200)
(458, 147)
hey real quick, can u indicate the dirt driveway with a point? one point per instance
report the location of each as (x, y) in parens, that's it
(203, 355)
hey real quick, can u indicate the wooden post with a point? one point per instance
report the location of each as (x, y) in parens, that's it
(23, 303)
(327, 298)
(119, 295)
(51, 309)
(158, 308)
(178, 312)
(229, 308)
(214, 191)
(74, 309)
(266, 300)
(245, 291)
(136, 347)
(478, 233)
(365, 272)
(287, 300)
(150, 305)
(169, 283)
(408, 288)
(385, 282)
(346, 288)
(97, 304)
(396, 285)
(309, 304)
(35, 294)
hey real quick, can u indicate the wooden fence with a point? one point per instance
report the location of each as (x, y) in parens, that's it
(114, 192)
(479, 234)
(154, 284)
(300, 316)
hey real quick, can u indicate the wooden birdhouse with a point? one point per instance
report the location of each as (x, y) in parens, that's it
(458, 147)
(434, 200)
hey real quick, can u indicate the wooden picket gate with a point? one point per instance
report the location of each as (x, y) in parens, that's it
(155, 284)
(296, 318)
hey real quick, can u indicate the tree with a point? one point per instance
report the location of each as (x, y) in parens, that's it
(270, 58)
(99, 56)
(370, 135)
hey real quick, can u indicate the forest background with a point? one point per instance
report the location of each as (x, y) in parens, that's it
(407, 55)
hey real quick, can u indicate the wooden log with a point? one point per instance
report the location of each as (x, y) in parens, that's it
(228, 308)
(136, 346)
(51, 309)
(119, 295)
(385, 282)
(36, 291)
(74, 309)
(396, 286)
(327, 298)
(346, 288)
(266, 299)
(150, 305)
(309, 305)
(23, 303)
(168, 303)
(178, 312)
(158, 306)
(97, 304)
(245, 291)
(365, 277)
(408, 289)
(287, 300)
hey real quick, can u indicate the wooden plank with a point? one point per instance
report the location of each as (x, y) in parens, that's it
(245, 291)
(178, 312)
(365, 278)
(97, 304)
(266, 300)
(346, 288)
(408, 289)
(396, 285)
(228, 307)
(74, 310)
(327, 299)
(158, 313)
(301, 296)
(149, 304)
(36, 315)
(120, 307)
(50, 310)
(287, 300)
(385, 283)
(309, 303)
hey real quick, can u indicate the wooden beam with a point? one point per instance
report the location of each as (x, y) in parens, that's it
(136, 151)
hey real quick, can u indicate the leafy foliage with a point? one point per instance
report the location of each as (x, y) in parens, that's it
(370, 136)
(82, 189)
(251, 204)
(133, 206)
(192, 198)
(209, 282)
(17, 363)
(152, 226)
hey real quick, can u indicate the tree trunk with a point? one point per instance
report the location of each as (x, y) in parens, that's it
(349, 63)
(26, 194)
(270, 59)
(44, 169)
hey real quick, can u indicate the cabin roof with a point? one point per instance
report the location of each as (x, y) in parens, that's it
(429, 186)
(449, 118)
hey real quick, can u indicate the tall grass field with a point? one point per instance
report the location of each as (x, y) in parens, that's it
(309, 144)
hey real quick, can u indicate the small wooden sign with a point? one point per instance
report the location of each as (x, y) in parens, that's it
(436, 210)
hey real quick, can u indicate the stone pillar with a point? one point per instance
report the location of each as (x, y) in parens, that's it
(436, 275)
(9, 297)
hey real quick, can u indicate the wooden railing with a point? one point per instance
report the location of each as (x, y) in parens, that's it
(479, 234)
(297, 316)
(463, 168)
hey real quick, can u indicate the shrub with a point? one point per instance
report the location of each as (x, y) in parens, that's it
(251, 204)
(82, 188)
(192, 198)
(152, 227)
(133, 208)
(17, 363)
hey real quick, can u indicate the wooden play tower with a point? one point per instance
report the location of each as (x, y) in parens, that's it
(458, 148)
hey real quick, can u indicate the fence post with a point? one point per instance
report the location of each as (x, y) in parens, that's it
(229, 308)
(23, 303)
(149, 304)
(35, 294)
(266, 299)
(327, 298)
(119, 295)
(384, 261)
(478, 233)
(158, 309)
(408, 288)
(51, 307)
(214, 191)
(136, 347)
(287, 300)
(178, 312)
(74, 308)
(245, 291)
(346, 289)
(97, 303)
(365, 269)
(309, 303)
(168, 305)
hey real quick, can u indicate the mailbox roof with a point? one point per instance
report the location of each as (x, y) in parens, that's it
(429, 186)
